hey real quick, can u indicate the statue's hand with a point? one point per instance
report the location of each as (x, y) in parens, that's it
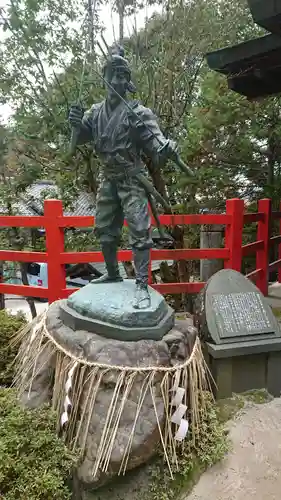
(169, 150)
(172, 149)
(75, 116)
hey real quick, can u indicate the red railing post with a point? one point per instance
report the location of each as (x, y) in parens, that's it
(54, 247)
(263, 233)
(279, 250)
(234, 233)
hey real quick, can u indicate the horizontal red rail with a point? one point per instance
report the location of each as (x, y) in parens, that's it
(163, 288)
(86, 257)
(43, 221)
(276, 215)
(274, 240)
(24, 290)
(156, 254)
(254, 274)
(251, 248)
(123, 255)
(253, 218)
(16, 256)
(76, 221)
(274, 265)
(17, 221)
(173, 220)
(86, 221)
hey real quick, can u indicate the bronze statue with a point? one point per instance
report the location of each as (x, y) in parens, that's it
(121, 132)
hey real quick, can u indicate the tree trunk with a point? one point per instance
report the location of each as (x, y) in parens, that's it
(91, 12)
(16, 243)
(29, 300)
(2, 296)
(121, 13)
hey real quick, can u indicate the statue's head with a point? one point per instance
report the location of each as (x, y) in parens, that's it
(117, 74)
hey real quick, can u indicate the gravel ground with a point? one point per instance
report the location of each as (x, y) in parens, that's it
(252, 469)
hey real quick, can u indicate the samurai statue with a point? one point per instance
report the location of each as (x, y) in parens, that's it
(122, 131)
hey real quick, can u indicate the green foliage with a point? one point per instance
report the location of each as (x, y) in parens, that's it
(9, 325)
(34, 463)
(210, 447)
(228, 408)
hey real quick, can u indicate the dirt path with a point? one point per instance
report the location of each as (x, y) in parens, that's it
(252, 469)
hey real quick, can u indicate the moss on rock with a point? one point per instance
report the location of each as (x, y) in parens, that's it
(34, 462)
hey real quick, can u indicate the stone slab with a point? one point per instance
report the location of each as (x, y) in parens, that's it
(233, 310)
(243, 349)
(107, 309)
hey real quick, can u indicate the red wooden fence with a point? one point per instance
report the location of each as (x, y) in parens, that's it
(234, 219)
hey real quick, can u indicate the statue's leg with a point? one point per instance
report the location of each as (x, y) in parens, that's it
(135, 207)
(109, 221)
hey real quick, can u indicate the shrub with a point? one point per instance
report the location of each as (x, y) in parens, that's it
(34, 462)
(9, 325)
(211, 446)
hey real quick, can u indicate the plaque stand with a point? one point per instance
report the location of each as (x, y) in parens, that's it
(239, 368)
(242, 338)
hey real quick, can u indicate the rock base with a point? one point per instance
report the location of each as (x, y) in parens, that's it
(94, 390)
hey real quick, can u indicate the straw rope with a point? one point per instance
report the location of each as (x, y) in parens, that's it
(84, 379)
(84, 361)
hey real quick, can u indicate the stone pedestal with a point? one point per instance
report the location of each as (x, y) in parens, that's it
(174, 348)
(107, 310)
(102, 364)
(239, 368)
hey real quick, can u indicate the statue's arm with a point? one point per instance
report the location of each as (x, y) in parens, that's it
(150, 137)
(86, 128)
(82, 122)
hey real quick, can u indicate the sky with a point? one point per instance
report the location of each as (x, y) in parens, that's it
(110, 21)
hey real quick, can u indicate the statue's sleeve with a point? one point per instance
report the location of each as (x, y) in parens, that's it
(86, 130)
(148, 133)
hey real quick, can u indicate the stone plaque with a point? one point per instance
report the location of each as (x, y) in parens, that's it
(232, 309)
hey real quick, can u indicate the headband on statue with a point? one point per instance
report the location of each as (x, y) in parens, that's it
(117, 61)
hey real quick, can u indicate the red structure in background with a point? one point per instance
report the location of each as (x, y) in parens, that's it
(234, 219)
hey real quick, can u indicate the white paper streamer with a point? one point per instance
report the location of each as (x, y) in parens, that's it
(177, 417)
(182, 430)
(179, 413)
(178, 396)
(67, 402)
(64, 419)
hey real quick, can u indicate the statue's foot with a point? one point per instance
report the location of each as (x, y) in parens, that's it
(142, 298)
(105, 278)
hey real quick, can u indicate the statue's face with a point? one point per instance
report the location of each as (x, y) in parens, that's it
(117, 79)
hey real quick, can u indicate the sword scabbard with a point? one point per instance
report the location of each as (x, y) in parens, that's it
(73, 141)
